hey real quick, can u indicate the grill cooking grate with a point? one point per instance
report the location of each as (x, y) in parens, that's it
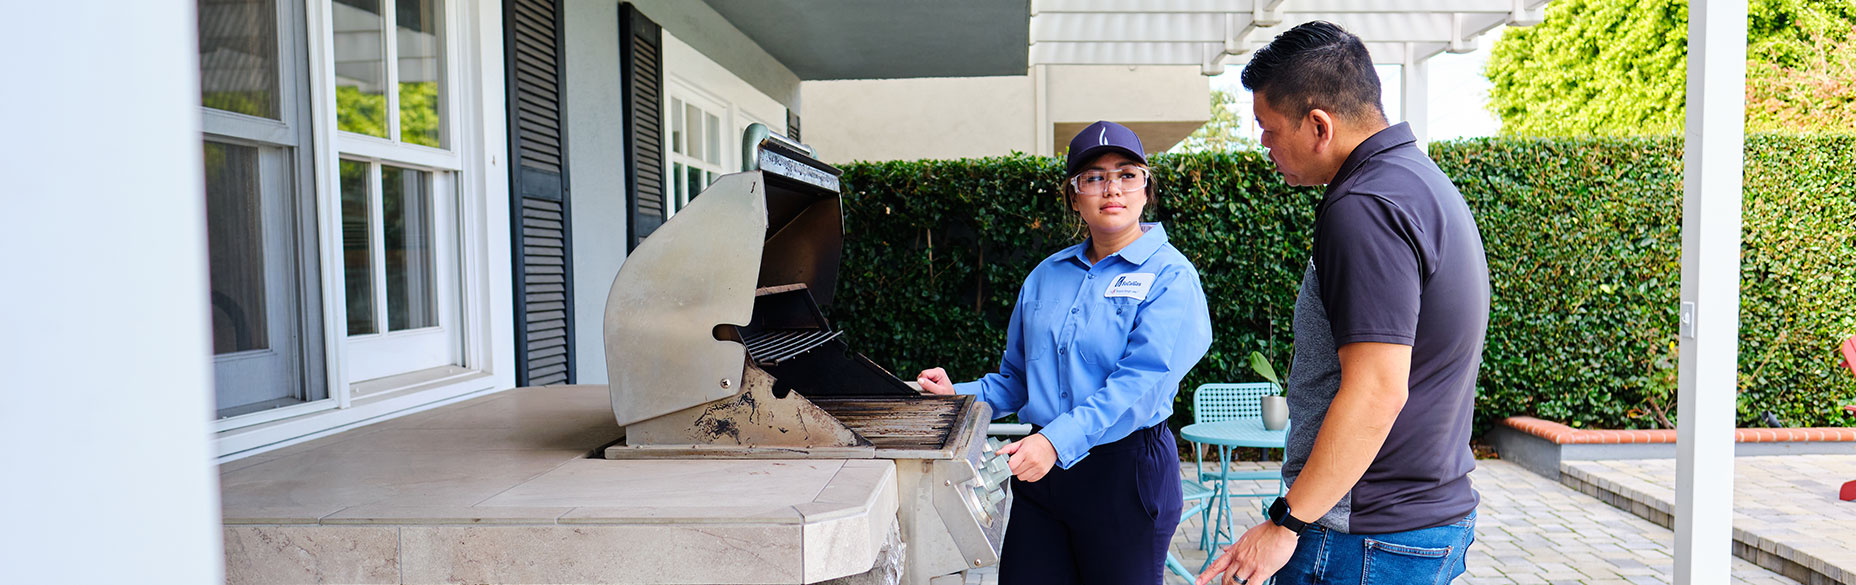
(772, 347)
(895, 422)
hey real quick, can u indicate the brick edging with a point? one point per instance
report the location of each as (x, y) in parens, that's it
(1564, 435)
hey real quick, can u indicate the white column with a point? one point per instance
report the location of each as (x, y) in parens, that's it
(103, 319)
(1710, 309)
(1414, 88)
(1043, 139)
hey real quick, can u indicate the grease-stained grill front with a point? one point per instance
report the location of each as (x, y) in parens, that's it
(717, 346)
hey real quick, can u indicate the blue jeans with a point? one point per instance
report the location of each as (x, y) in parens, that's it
(1428, 556)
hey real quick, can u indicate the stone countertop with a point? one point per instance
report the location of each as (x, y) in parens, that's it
(504, 489)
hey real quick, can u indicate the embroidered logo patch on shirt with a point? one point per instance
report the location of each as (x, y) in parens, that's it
(1133, 285)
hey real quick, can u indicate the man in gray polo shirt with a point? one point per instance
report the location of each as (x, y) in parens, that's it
(1389, 330)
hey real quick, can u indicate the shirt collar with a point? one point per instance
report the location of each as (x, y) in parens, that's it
(1391, 137)
(1153, 236)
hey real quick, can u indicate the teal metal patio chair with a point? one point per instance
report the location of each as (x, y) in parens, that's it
(1199, 498)
(1222, 402)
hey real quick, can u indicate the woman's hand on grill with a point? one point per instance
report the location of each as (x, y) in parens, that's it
(934, 381)
(1032, 457)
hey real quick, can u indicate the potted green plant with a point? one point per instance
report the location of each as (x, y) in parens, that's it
(1275, 407)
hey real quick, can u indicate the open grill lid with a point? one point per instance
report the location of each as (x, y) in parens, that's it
(737, 276)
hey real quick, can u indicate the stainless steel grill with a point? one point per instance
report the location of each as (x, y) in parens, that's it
(717, 346)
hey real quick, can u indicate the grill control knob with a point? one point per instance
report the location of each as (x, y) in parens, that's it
(994, 497)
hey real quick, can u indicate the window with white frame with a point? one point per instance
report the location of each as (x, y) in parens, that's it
(696, 147)
(261, 237)
(397, 187)
(319, 287)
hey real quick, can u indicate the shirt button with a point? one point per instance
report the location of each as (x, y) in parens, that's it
(1063, 395)
(1092, 276)
(1073, 310)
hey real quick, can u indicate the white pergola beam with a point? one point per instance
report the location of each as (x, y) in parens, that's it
(1216, 28)
(1193, 53)
(1178, 32)
(1712, 173)
(1133, 27)
(1045, 7)
(1415, 99)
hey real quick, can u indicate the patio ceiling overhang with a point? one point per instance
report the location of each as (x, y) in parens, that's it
(886, 39)
(1216, 33)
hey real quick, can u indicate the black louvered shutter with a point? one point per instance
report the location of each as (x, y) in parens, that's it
(792, 125)
(641, 64)
(538, 193)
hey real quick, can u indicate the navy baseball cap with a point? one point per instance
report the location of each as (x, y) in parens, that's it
(1103, 137)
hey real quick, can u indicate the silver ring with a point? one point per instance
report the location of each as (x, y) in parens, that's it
(1242, 581)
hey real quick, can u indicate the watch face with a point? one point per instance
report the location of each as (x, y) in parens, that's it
(1279, 514)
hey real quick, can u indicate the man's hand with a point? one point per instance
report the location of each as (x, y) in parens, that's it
(1031, 457)
(1255, 557)
(934, 381)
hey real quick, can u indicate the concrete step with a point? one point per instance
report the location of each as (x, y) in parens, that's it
(1781, 522)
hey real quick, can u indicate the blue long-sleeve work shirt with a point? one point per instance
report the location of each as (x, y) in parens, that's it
(1095, 352)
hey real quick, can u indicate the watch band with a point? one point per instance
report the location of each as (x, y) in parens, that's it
(1280, 515)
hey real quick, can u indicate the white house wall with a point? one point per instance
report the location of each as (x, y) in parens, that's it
(703, 54)
(719, 40)
(691, 71)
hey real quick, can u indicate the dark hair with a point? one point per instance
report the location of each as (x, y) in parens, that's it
(1316, 65)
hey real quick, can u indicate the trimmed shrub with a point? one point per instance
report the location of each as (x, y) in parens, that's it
(1582, 237)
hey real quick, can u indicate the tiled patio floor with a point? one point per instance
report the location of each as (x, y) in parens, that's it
(1785, 507)
(1530, 531)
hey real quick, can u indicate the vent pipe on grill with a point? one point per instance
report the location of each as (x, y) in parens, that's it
(751, 140)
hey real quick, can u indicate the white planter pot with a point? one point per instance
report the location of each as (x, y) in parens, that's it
(1275, 413)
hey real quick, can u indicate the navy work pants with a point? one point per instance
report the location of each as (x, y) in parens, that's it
(1106, 520)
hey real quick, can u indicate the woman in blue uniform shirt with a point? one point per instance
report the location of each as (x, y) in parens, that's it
(1101, 336)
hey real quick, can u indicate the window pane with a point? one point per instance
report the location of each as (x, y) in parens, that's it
(695, 180)
(715, 139)
(421, 53)
(676, 125)
(406, 209)
(360, 68)
(235, 248)
(677, 196)
(357, 259)
(692, 120)
(238, 56)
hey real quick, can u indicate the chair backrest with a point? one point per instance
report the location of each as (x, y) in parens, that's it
(1849, 354)
(1216, 402)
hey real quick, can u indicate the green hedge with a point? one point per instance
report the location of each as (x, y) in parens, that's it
(1583, 246)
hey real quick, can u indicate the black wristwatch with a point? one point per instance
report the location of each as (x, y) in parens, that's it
(1279, 514)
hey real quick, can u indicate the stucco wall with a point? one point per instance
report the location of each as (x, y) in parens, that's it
(903, 119)
(899, 119)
